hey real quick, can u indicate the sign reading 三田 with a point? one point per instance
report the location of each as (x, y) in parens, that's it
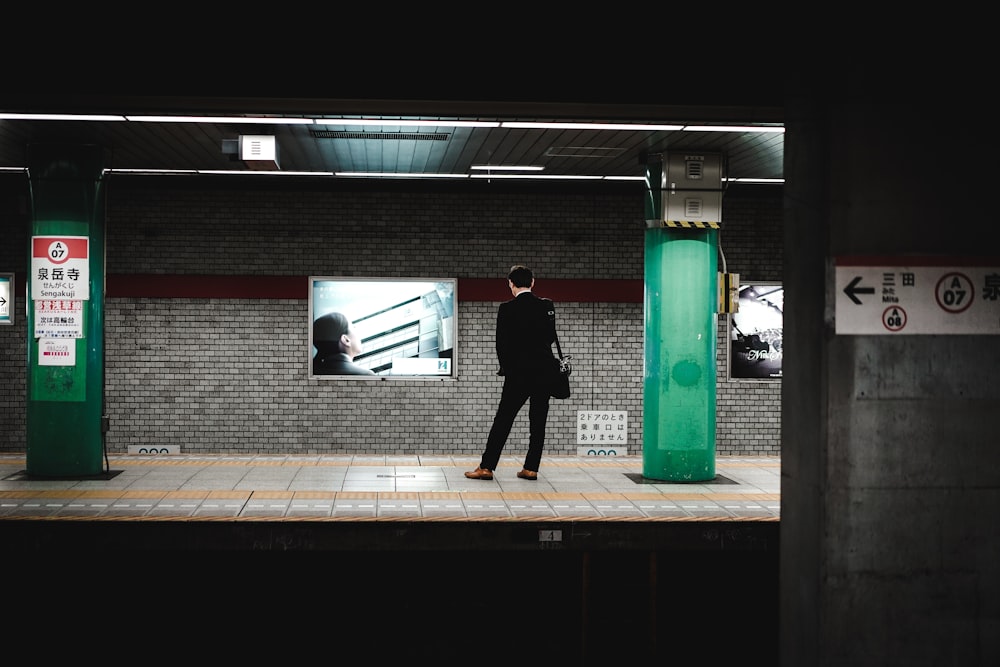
(917, 295)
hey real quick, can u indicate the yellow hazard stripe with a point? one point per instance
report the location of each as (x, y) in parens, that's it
(688, 224)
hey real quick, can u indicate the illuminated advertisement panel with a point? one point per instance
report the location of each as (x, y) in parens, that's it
(755, 332)
(382, 328)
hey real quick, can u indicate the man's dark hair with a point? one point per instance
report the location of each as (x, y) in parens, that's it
(328, 329)
(520, 275)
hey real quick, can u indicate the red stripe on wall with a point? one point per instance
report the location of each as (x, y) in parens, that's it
(297, 287)
(207, 287)
(585, 291)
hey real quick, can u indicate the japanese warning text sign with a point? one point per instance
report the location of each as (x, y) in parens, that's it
(60, 267)
(923, 295)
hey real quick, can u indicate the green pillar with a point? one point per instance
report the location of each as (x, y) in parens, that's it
(681, 298)
(65, 299)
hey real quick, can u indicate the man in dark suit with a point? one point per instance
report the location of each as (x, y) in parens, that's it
(526, 329)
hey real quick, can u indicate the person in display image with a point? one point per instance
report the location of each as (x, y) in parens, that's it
(336, 345)
(525, 333)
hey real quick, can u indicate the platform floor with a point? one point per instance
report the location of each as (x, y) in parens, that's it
(353, 488)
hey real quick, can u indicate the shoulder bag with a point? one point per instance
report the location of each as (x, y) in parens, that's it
(560, 381)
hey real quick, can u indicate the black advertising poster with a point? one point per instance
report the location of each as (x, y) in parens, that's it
(755, 333)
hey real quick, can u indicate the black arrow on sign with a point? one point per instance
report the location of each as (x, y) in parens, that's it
(852, 289)
(3, 301)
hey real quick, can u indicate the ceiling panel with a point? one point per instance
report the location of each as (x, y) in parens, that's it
(336, 145)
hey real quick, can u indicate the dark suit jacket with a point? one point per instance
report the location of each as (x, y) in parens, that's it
(337, 363)
(526, 329)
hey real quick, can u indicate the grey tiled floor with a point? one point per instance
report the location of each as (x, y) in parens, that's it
(326, 488)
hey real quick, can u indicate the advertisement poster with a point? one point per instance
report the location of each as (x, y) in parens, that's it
(382, 328)
(755, 333)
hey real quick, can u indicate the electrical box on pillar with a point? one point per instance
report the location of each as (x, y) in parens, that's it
(692, 190)
(729, 292)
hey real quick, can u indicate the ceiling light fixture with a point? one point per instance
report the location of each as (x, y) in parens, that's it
(152, 171)
(590, 126)
(395, 174)
(58, 116)
(733, 128)
(565, 177)
(264, 172)
(505, 167)
(249, 120)
(755, 180)
(389, 122)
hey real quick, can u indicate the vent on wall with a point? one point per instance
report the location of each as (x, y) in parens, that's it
(382, 136)
(693, 209)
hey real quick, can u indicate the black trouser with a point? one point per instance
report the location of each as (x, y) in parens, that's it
(516, 392)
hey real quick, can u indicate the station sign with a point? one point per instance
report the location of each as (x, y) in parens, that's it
(60, 268)
(917, 295)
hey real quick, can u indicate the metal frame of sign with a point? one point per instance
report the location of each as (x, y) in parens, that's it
(755, 332)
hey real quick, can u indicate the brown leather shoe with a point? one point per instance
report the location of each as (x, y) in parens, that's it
(528, 474)
(480, 473)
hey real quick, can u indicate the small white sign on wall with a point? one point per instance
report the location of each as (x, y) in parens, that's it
(58, 318)
(602, 432)
(57, 352)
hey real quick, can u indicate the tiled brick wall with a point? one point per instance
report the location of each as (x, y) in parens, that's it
(230, 375)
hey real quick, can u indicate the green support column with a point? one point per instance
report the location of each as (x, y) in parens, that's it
(681, 297)
(65, 402)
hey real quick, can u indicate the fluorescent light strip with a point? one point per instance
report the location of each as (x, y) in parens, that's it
(361, 174)
(381, 174)
(57, 116)
(755, 180)
(733, 128)
(384, 122)
(150, 171)
(538, 176)
(504, 167)
(255, 120)
(263, 172)
(589, 126)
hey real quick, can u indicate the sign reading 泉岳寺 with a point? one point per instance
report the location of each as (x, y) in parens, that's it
(60, 267)
(917, 295)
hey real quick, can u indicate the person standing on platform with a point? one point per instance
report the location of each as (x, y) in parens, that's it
(525, 332)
